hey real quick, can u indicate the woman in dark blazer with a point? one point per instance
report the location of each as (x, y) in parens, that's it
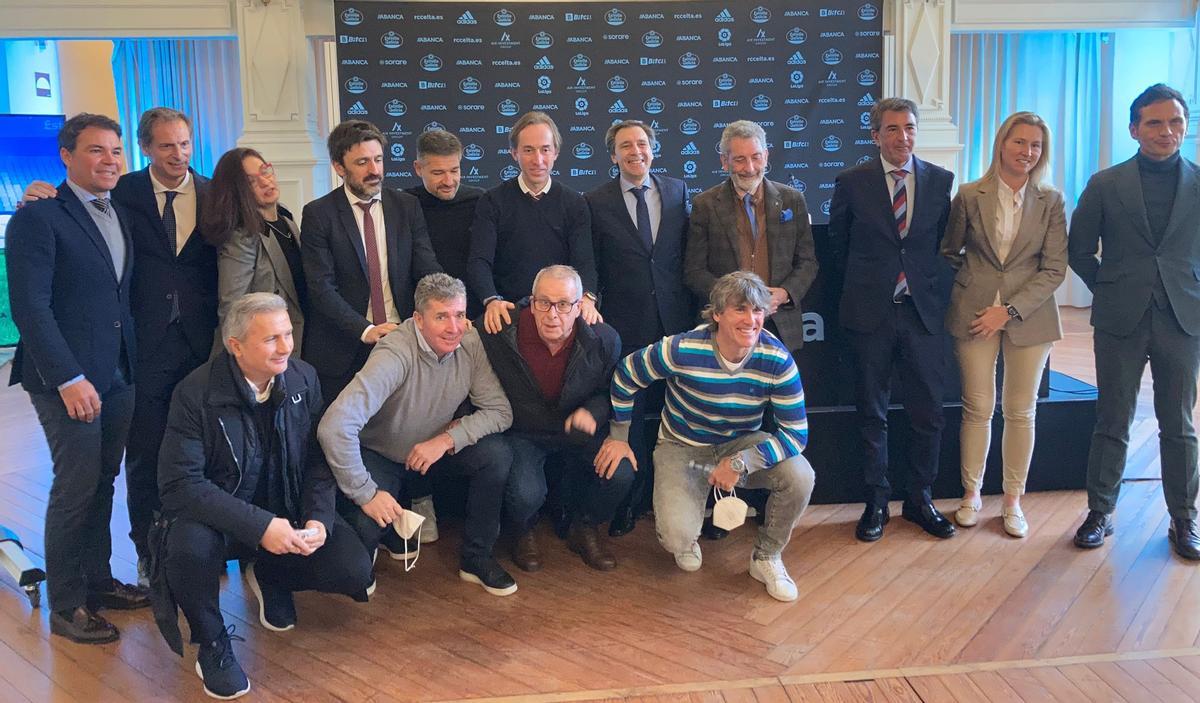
(1007, 239)
(258, 241)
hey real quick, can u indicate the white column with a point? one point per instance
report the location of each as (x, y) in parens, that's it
(916, 52)
(278, 98)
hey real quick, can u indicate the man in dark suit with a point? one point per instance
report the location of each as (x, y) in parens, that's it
(448, 205)
(749, 223)
(174, 296)
(885, 227)
(1145, 213)
(639, 226)
(527, 223)
(364, 249)
(70, 264)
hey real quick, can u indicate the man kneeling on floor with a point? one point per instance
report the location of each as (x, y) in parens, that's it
(398, 416)
(720, 378)
(237, 480)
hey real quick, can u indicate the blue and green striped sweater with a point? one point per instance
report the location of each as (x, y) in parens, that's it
(707, 404)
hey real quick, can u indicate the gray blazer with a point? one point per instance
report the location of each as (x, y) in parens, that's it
(257, 264)
(1035, 267)
(712, 248)
(1112, 212)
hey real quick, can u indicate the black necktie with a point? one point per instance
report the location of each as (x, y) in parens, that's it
(168, 219)
(643, 215)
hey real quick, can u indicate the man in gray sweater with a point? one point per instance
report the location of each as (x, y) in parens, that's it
(398, 415)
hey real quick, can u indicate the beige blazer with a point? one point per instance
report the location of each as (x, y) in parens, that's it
(258, 265)
(1035, 267)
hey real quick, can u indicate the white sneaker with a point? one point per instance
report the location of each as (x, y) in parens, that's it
(424, 507)
(691, 559)
(774, 576)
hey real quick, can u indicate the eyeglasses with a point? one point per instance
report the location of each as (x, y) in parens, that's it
(265, 172)
(563, 307)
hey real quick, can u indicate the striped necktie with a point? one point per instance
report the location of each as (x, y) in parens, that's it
(900, 214)
(100, 204)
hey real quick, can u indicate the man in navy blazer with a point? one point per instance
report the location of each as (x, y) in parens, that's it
(355, 298)
(639, 226)
(173, 296)
(886, 222)
(70, 264)
(1145, 213)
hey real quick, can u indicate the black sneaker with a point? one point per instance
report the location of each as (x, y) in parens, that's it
(276, 609)
(398, 547)
(219, 670)
(488, 573)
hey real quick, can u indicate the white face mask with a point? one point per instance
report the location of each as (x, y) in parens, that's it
(729, 511)
(409, 527)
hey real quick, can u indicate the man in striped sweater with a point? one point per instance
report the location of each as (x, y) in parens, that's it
(720, 378)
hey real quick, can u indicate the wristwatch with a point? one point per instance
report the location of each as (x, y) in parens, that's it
(1012, 312)
(738, 464)
(591, 296)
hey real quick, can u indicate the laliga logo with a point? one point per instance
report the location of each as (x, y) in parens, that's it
(653, 106)
(581, 103)
(351, 17)
(796, 77)
(470, 85)
(542, 40)
(356, 85)
(391, 40)
(831, 143)
(472, 152)
(397, 151)
(796, 35)
(796, 123)
(760, 103)
(652, 39)
(867, 77)
(617, 84)
(543, 82)
(509, 171)
(431, 63)
(868, 12)
(579, 62)
(508, 108)
(395, 108)
(689, 167)
(725, 82)
(689, 61)
(504, 17)
(760, 15)
(582, 151)
(689, 126)
(614, 17)
(831, 57)
(864, 119)
(724, 34)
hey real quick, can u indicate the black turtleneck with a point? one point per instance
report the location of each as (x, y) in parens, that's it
(449, 225)
(1160, 179)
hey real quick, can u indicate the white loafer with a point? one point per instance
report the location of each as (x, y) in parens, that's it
(1014, 522)
(967, 515)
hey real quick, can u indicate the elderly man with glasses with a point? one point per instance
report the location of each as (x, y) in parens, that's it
(555, 369)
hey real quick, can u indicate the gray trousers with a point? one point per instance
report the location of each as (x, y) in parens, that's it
(1174, 362)
(680, 493)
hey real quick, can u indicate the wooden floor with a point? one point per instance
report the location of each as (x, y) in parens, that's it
(981, 617)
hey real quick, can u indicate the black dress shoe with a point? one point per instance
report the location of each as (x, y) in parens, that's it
(83, 626)
(929, 518)
(870, 525)
(119, 596)
(1182, 533)
(622, 523)
(1096, 526)
(710, 531)
(585, 541)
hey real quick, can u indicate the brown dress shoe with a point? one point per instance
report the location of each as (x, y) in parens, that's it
(525, 553)
(585, 541)
(83, 626)
(119, 596)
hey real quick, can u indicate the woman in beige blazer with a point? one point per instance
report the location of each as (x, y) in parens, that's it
(257, 240)
(1007, 239)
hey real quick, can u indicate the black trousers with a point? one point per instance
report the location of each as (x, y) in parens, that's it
(901, 342)
(156, 377)
(196, 556)
(589, 497)
(485, 467)
(87, 459)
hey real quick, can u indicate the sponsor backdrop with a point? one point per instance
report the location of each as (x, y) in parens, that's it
(806, 70)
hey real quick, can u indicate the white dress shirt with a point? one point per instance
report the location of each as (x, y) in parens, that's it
(184, 206)
(910, 186)
(389, 305)
(653, 203)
